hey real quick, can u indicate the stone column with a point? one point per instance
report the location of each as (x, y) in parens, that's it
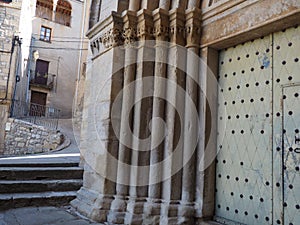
(118, 208)
(193, 26)
(164, 4)
(142, 116)
(180, 4)
(193, 4)
(150, 4)
(171, 188)
(161, 23)
(207, 148)
(99, 145)
(134, 5)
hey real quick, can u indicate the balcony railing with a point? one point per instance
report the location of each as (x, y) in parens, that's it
(57, 17)
(35, 113)
(42, 81)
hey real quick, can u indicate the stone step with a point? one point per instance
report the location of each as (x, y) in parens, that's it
(19, 186)
(40, 173)
(17, 200)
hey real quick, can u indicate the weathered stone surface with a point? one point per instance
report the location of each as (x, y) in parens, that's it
(187, 196)
(232, 24)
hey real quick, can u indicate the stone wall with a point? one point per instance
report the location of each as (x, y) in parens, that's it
(119, 194)
(25, 138)
(9, 26)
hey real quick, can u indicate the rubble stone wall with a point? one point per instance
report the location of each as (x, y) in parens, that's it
(25, 138)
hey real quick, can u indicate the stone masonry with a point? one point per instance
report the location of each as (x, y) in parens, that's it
(123, 141)
(9, 27)
(26, 138)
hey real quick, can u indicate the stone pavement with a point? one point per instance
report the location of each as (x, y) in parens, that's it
(43, 216)
(47, 215)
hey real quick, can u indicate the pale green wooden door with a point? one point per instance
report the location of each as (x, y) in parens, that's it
(255, 183)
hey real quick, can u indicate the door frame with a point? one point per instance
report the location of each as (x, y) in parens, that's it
(209, 116)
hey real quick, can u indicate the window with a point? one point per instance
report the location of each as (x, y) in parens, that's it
(45, 34)
(63, 13)
(44, 9)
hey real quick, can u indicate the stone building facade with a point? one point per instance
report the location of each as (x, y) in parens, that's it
(58, 29)
(11, 18)
(226, 87)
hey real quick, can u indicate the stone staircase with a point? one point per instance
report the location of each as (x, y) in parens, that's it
(38, 184)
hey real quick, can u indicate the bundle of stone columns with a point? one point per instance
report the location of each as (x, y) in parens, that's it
(151, 175)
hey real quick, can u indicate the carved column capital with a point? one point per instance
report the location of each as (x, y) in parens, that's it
(177, 26)
(161, 24)
(145, 25)
(130, 28)
(193, 28)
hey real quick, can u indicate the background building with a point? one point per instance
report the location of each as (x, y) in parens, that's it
(57, 37)
(48, 58)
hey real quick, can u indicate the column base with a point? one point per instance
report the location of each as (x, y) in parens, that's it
(134, 211)
(186, 213)
(117, 210)
(92, 204)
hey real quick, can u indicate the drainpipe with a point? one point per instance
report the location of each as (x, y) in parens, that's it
(28, 73)
(9, 68)
(57, 71)
(19, 41)
(80, 55)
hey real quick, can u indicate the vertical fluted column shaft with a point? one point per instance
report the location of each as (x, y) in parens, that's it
(127, 104)
(164, 4)
(150, 4)
(134, 5)
(161, 23)
(142, 108)
(142, 113)
(193, 4)
(193, 25)
(119, 205)
(174, 136)
(180, 4)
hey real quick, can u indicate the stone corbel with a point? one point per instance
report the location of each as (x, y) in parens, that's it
(177, 26)
(193, 28)
(112, 38)
(161, 24)
(107, 33)
(95, 45)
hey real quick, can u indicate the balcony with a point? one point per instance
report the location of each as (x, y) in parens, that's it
(44, 12)
(42, 81)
